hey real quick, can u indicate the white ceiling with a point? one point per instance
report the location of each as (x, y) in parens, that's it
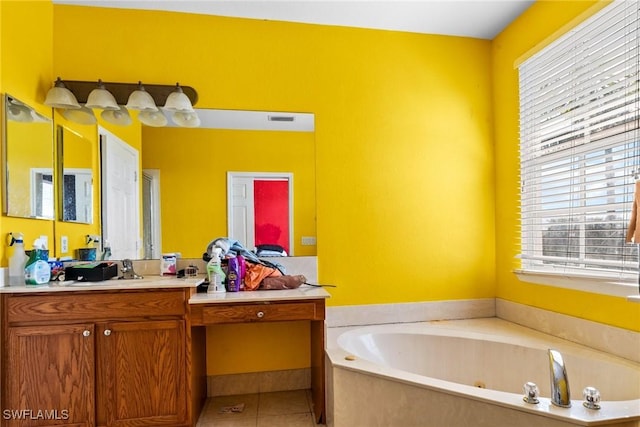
(482, 19)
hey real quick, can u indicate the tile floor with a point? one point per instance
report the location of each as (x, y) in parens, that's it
(277, 409)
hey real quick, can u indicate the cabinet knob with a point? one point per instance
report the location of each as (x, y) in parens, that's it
(107, 332)
(86, 333)
(260, 314)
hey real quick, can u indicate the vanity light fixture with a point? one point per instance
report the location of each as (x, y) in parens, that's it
(61, 97)
(118, 117)
(115, 99)
(186, 119)
(83, 116)
(177, 101)
(18, 112)
(101, 98)
(140, 100)
(155, 119)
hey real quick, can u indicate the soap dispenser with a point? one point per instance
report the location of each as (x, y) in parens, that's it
(214, 273)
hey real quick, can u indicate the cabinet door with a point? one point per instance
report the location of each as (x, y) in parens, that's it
(50, 376)
(142, 373)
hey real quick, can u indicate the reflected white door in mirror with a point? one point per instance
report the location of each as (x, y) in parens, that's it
(120, 196)
(260, 208)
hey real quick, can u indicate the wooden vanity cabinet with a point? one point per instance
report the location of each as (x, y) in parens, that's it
(95, 358)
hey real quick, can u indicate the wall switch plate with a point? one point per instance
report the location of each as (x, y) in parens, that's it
(308, 240)
(64, 244)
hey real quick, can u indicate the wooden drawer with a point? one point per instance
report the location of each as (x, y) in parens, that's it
(260, 312)
(93, 305)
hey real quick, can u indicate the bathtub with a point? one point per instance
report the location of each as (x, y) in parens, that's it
(468, 373)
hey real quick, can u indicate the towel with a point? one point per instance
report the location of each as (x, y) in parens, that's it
(633, 232)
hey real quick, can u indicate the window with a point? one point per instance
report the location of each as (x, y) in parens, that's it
(580, 148)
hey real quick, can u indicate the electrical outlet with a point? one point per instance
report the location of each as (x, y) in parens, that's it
(64, 244)
(308, 240)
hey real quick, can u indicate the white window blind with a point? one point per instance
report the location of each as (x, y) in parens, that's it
(580, 147)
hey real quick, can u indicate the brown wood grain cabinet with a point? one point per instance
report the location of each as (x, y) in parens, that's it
(96, 359)
(123, 357)
(206, 310)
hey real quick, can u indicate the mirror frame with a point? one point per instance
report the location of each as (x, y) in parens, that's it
(6, 151)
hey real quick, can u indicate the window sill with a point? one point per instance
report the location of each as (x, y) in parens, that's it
(592, 284)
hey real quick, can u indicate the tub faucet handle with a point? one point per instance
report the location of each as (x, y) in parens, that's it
(591, 398)
(531, 393)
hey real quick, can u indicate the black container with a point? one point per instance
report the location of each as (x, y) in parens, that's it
(92, 272)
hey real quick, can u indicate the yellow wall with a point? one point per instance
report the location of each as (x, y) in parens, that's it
(193, 166)
(26, 62)
(532, 28)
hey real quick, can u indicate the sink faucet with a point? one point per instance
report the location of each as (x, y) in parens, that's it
(127, 270)
(560, 395)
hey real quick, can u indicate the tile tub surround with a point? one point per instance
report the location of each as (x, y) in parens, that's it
(617, 341)
(393, 392)
(610, 339)
(374, 314)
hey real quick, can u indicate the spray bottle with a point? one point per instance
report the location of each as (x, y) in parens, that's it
(18, 260)
(214, 272)
(37, 271)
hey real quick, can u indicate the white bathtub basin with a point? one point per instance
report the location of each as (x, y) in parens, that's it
(468, 364)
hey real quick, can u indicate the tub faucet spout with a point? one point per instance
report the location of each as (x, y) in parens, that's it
(560, 394)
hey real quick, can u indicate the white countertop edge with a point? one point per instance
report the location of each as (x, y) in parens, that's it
(148, 282)
(166, 282)
(303, 292)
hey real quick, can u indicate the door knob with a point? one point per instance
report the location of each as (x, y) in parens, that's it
(107, 332)
(86, 333)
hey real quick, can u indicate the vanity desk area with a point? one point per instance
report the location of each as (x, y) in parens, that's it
(129, 352)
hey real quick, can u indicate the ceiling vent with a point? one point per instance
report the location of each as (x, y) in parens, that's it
(281, 118)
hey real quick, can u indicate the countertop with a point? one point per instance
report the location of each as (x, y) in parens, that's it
(163, 282)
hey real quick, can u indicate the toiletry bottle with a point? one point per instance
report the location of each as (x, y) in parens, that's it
(233, 275)
(214, 273)
(37, 271)
(18, 260)
(243, 270)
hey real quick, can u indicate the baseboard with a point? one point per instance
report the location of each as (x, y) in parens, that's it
(258, 382)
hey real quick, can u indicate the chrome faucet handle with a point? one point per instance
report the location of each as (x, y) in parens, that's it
(531, 393)
(591, 398)
(127, 270)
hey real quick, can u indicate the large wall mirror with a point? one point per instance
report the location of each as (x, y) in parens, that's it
(75, 166)
(190, 168)
(28, 176)
(183, 185)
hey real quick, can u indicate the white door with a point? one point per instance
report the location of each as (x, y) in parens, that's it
(241, 219)
(241, 209)
(120, 196)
